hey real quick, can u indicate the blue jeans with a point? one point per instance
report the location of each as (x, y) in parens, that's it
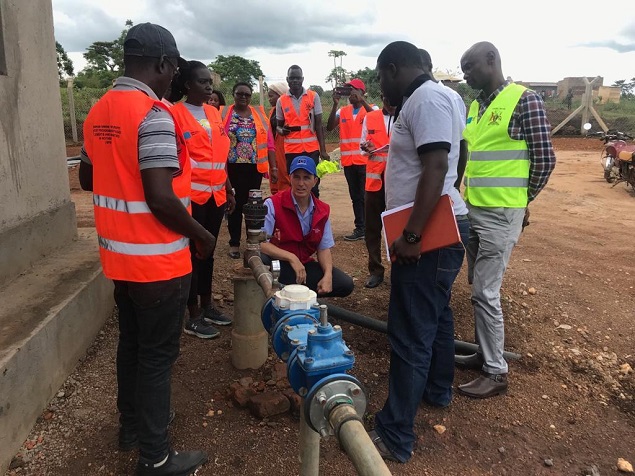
(150, 321)
(421, 334)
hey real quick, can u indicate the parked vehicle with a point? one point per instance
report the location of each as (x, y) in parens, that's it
(618, 156)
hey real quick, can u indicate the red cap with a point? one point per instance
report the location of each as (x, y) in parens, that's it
(357, 84)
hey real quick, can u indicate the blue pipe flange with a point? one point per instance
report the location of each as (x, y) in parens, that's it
(326, 394)
(267, 316)
(290, 332)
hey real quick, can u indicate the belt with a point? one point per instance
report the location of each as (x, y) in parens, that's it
(461, 217)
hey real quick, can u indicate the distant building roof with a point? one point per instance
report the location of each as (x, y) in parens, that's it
(441, 76)
(540, 84)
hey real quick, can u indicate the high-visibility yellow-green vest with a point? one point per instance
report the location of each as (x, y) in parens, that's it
(497, 171)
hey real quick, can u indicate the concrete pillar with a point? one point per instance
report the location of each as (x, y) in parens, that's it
(250, 341)
(36, 212)
(54, 296)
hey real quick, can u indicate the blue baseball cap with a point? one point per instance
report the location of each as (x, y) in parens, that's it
(303, 162)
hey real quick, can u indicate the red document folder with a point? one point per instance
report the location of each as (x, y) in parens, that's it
(440, 231)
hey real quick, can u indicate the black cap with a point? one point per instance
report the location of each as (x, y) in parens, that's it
(149, 39)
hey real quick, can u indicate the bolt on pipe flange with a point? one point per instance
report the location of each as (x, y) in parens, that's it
(327, 394)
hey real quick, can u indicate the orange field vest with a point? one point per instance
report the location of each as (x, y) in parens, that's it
(350, 136)
(281, 161)
(376, 133)
(133, 244)
(262, 128)
(209, 158)
(303, 140)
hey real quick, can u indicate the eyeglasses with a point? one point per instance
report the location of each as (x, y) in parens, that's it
(174, 67)
(244, 95)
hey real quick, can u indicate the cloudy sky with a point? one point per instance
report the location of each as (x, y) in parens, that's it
(542, 40)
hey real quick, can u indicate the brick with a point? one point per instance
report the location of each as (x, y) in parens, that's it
(279, 371)
(229, 391)
(268, 404)
(242, 395)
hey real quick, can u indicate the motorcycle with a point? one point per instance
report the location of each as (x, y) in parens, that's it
(618, 156)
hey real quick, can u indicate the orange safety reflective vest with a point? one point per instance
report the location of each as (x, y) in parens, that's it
(376, 165)
(262, 129)
(133, 244)
(209, 158)
(350, 136)
(304, 139)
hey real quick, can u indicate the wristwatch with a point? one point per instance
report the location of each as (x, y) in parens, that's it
(411, 238)
(233, 191)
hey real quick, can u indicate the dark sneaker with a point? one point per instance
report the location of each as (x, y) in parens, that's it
(198, 328)
(358, 234)
(177, 464)
(381, 447)
(128, 437)
(211, 315)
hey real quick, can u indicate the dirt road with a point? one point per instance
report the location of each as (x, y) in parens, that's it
(570, 404)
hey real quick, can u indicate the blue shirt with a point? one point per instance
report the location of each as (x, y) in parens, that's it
(305, 219)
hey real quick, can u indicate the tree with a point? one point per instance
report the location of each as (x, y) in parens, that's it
(105, 62)
(337, 74)
(317, 88)
(627, 87)
(64, 63)
(233, 69)
(369, 76)
(107, 55)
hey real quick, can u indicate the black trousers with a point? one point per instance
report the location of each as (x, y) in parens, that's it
(315, 155)
(150, 321)
(211, 217)
(375, 204)
(342, 283)
(356, 179)
(244, 177)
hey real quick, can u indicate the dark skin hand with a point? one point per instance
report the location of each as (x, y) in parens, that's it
(526, 218)
(231, 200)
(460, 168)
(429, 188)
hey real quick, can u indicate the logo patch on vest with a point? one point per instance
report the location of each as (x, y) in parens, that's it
(187, 135)
(494, 118)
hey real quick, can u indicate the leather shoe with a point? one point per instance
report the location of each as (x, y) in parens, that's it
(471, 361)
(374, 280)
(487, 385)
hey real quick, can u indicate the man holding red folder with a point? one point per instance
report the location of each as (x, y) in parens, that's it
(422, 166)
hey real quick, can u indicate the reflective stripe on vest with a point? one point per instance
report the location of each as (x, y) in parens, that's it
(304, 140)
(133, 244)
(127, 206)
(208, 165)
(200, 187)
(350, 136)
(497, 171)
(138, 249)
(377, 135)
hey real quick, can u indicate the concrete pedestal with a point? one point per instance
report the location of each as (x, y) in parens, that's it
(250, 340)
